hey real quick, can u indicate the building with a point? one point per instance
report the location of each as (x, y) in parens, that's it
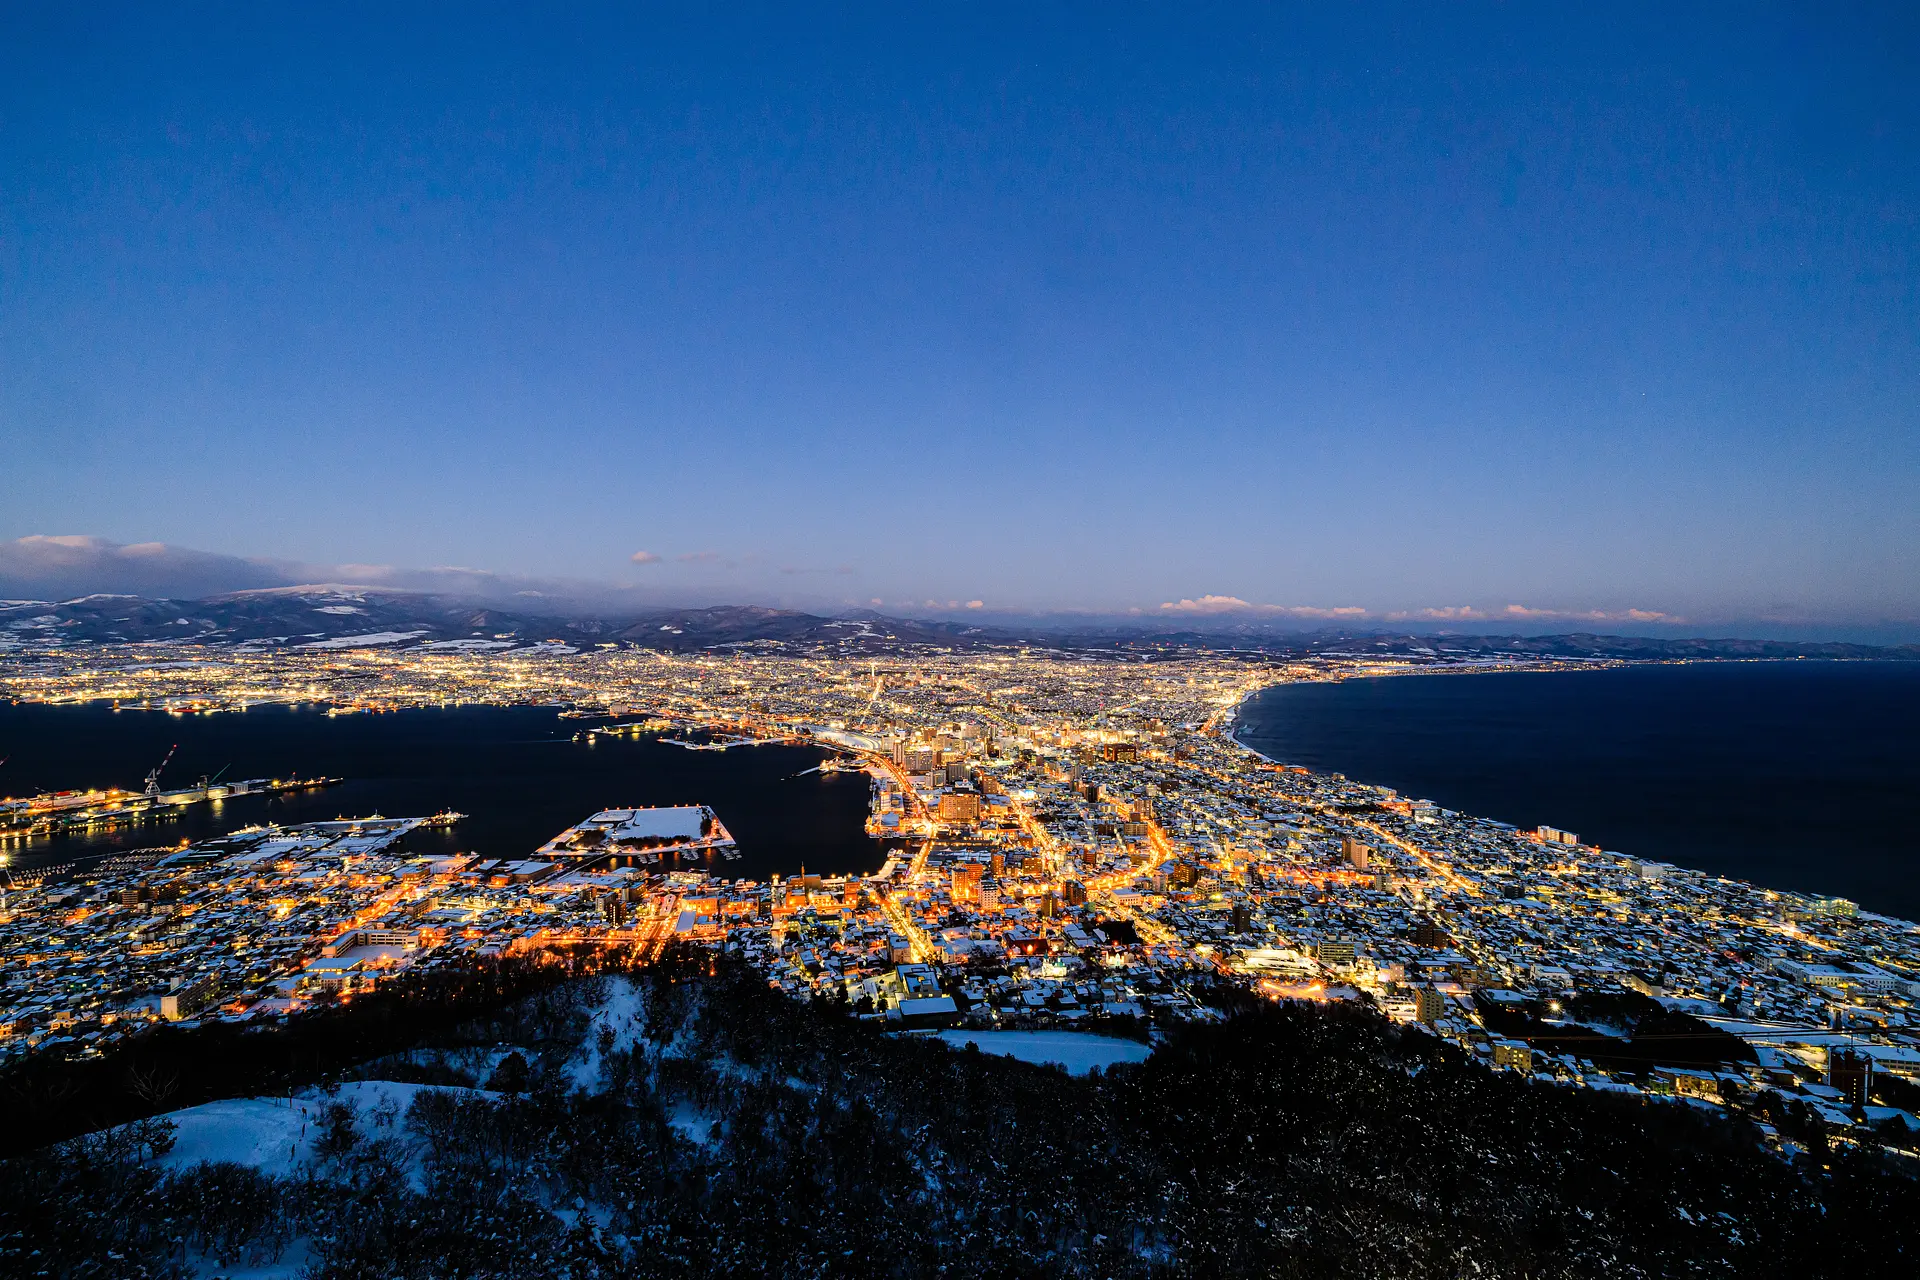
(1515, 1054)
(1334, 953)
(965, 882)
(959, 806)
(929, 1012)
(331, 975)
(1429, 1005)
(187, 1001)
(1354, 852)
(1852, 1074)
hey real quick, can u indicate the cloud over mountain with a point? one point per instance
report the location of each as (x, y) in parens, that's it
(61, 566)
(1211, 604)
(66, 566)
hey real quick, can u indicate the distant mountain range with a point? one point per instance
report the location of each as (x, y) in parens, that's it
(338, 616)
(348, 617)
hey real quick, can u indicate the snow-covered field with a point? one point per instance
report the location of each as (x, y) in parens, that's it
(1078, 1052)
(363, 641)
(467, 646)
(276, 1135)
(273, 1135)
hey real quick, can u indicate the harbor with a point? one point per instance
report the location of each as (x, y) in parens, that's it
(520, 773)
(112, 809)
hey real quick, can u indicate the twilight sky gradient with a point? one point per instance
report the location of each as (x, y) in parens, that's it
(1405, 310)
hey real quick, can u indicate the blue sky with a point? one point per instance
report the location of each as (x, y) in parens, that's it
(1305, 307)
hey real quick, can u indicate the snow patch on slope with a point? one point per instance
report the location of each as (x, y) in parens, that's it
(1077, 1052)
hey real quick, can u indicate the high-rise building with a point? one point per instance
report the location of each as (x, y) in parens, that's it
(959, 806)
(1852, 1074)
(1428, 1004)
(965, 882)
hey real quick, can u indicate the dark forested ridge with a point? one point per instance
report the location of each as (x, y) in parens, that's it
(727, 1130)
(402, 619)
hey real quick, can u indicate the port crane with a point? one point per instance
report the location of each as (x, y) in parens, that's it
(153, 779)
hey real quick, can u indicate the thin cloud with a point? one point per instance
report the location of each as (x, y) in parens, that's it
(1447, 613)
(1521, 612)
(698, 557)
(1214, 604)
(645, 557)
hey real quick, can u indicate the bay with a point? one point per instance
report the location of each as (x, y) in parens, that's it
(516, 772)
(1792, 775)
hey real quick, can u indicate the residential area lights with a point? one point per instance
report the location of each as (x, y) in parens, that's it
(1068, 840)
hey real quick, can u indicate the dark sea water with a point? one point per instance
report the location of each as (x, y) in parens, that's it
(1802, 775)
(515, 771)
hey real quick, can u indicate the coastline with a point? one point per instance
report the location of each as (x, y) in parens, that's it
(1756, 800)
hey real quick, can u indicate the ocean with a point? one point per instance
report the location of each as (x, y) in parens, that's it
(1792, 775)
(517, 772)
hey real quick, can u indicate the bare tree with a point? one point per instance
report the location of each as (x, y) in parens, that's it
(152, 1084)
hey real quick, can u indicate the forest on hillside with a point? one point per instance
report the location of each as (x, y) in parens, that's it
(685, 1119)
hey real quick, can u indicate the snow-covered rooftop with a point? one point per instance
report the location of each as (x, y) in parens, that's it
(679, 823)
(609, 829)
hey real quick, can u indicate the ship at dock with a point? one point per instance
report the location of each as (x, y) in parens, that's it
(111, 809)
